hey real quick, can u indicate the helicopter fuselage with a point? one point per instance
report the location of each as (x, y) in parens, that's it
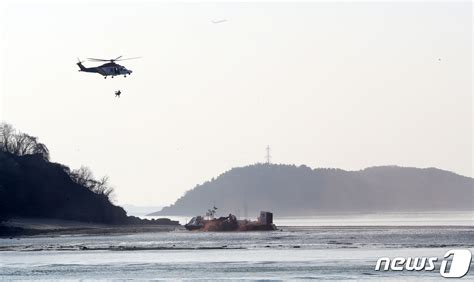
(107, 69)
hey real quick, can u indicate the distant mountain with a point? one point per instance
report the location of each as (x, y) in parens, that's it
(139, 210)
(288, 190)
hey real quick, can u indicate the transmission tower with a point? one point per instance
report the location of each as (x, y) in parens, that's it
(268, 156)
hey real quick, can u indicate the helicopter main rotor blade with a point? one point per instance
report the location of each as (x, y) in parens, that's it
(98, 60)
(112, 60)
(128, 59)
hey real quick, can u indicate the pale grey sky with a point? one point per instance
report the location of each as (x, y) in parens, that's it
(346, 85)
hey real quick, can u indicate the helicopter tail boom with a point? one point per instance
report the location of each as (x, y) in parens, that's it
(81, 66)
(84, 69)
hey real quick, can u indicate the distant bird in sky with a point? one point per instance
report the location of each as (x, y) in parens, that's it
(219, 21)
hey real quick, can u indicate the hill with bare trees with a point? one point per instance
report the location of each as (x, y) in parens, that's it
(31, 186)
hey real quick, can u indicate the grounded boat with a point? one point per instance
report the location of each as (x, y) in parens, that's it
(230, 223)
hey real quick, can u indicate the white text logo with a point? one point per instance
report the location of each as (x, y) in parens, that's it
(455, 264)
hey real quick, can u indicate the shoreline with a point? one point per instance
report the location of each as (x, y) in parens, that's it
(19, 227)
(40, 227)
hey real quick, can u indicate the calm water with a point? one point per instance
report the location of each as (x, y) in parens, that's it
(332, 252)
(364, 219)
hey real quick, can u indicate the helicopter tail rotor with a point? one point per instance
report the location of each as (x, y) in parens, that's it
(80, 65)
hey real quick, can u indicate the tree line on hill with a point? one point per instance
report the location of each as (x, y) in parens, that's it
(32, 186)
(18, 143)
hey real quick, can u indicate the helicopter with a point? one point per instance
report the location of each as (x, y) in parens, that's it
(108, 69)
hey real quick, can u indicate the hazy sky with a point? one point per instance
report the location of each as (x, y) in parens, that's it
(346, 85)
